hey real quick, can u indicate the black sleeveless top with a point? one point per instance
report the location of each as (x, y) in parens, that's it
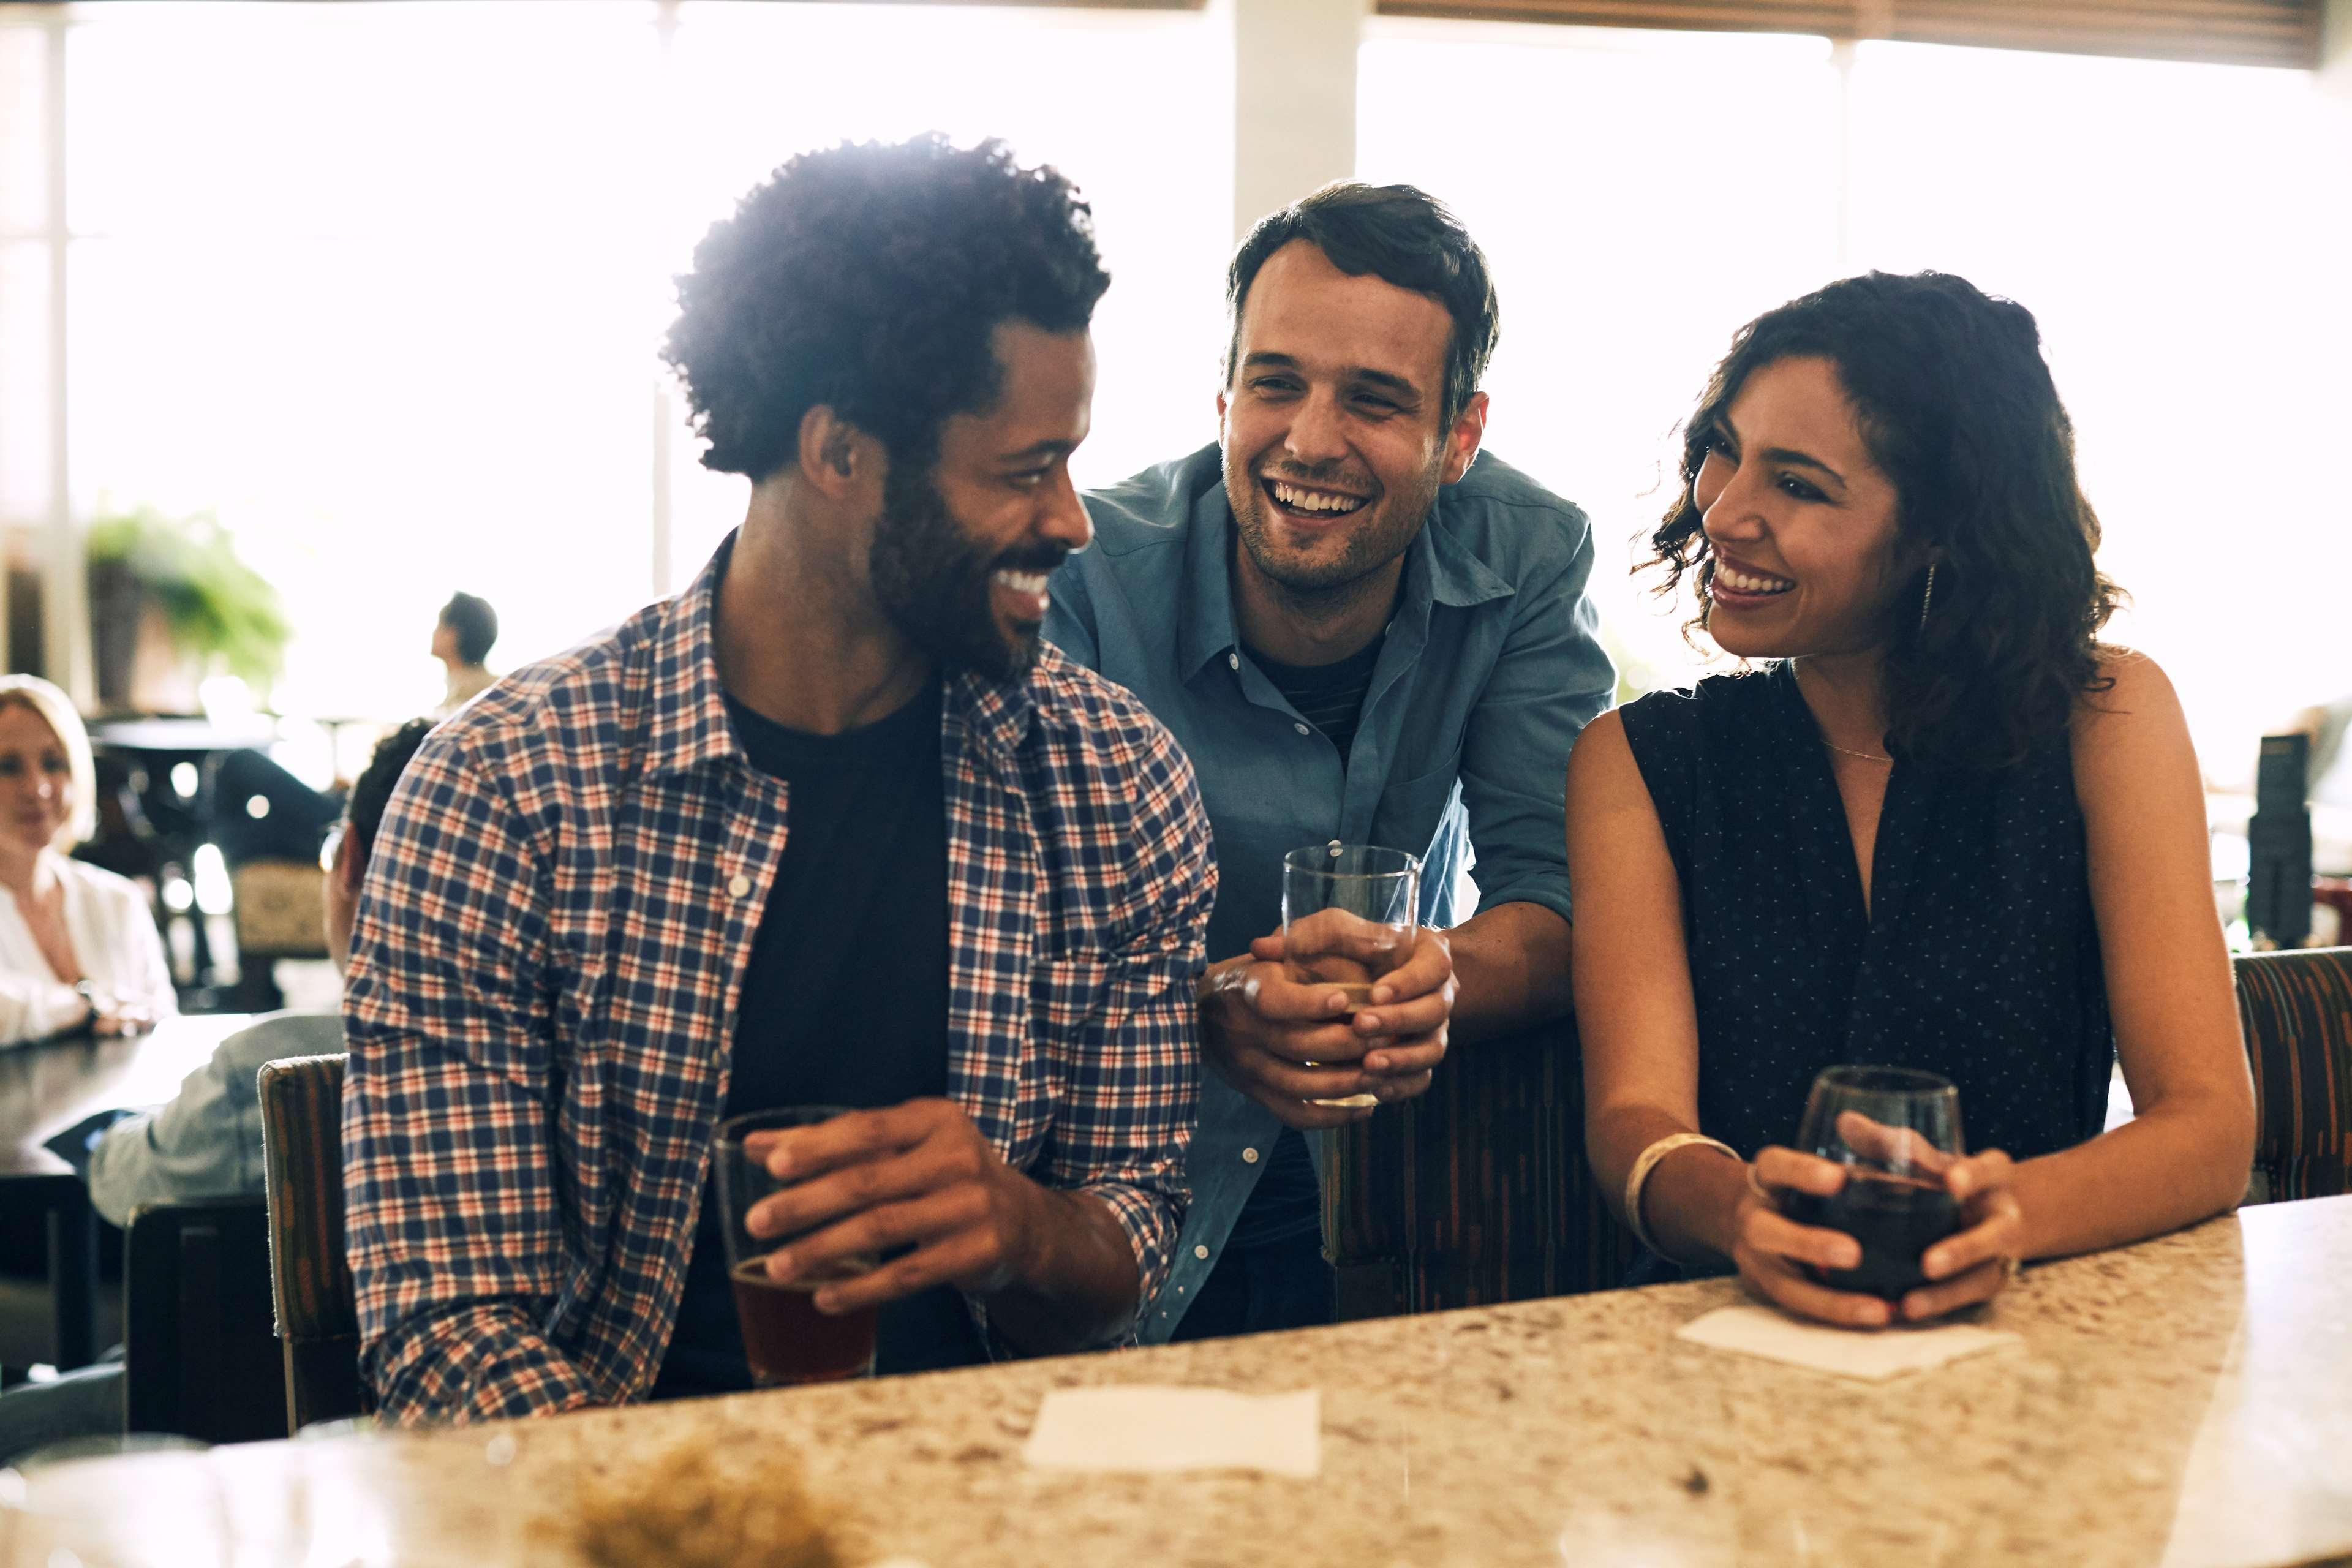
(1978, 957)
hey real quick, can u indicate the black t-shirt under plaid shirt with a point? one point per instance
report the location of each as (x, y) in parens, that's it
(845, 1001)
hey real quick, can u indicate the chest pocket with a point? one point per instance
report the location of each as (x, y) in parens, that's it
(1409, 814)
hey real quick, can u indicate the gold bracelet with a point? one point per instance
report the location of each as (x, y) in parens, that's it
(1647, 1161)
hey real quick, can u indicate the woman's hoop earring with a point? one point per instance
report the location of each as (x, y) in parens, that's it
(1929, 597)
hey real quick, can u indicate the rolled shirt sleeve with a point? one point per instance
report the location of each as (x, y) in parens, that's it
(1552, 679)
(1132, 1057)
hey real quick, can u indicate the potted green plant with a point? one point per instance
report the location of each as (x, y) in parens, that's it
(171, 595)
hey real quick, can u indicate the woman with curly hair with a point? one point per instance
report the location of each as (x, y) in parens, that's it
(1936, 824)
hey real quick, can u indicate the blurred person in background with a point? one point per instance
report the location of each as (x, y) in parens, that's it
(462, 639)
(1943, 827)
(79, 946)
(205, 1142)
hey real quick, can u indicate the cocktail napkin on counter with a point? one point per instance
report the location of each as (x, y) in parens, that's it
(1157, 1429)
(1873, 1354)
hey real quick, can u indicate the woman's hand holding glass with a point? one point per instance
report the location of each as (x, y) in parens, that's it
(1783, 1260)
(1792, 1263)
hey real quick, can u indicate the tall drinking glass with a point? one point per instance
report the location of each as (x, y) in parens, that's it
(1896, 1132)
(785, 1338)
(1350, 915)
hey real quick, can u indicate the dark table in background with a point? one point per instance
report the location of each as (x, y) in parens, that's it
(46, 1088)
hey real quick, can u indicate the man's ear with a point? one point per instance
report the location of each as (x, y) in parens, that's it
(834, 455)
(351, 860)
(1462, 441)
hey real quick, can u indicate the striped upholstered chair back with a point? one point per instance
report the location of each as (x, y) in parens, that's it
(310, 1279)
(2298, 1011)
(1476, 1193)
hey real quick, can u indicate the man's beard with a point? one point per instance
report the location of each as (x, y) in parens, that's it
(1378, 539)
(934, 583)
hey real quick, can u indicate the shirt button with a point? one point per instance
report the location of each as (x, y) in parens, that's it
(1300, 728)
(1232, 661)
(740, 885)
(1249, 1156)
(1200, 1252)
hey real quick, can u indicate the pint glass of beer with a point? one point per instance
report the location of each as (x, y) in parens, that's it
(785, 1338)
(1350, 915)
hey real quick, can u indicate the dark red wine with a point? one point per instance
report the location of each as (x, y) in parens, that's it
(1895, 1218)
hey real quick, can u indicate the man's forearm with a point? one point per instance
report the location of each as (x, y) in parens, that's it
(1510, 970)
(1078, 1288)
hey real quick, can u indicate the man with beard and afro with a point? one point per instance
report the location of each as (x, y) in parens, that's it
(1363, 631)
(831, 828)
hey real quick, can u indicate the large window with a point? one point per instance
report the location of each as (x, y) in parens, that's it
(2182, 232)
(384, 285)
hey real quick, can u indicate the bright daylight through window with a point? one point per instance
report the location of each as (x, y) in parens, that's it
(383, 285)
(2162, 221)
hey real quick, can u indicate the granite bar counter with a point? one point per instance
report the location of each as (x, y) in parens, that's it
(2186, 1403)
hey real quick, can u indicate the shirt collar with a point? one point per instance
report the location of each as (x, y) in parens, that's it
(689, 726)
(1438, 568)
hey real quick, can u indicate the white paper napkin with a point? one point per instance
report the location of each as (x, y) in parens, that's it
(1157, 1429)
(1874, 1354)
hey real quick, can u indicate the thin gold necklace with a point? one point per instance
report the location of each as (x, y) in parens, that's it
(1865, 756)
(1796, 674)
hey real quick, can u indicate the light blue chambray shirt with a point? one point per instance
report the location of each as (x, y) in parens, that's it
(1491, 666)
(206, 1143)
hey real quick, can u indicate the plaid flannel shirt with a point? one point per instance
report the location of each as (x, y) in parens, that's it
(551, 940)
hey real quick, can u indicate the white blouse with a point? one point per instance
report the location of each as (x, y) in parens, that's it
(114, 940)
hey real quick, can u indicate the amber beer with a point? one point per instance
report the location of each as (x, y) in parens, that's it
(788, 1341)
(785, 1338)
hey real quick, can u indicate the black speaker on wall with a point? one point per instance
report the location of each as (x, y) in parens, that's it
(2278, 881)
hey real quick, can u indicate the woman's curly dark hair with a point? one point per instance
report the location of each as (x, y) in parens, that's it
(1959, 410)
(868, 278)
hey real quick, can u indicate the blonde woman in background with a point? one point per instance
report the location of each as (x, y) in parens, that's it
(78, 948)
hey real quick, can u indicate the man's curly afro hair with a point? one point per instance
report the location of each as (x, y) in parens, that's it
(868, 278)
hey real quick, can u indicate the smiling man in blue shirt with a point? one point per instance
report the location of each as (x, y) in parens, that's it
(1362, 631)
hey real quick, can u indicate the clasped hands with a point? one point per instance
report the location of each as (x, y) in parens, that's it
(1973, 1265)
(1288, 1041)
(111, 1015)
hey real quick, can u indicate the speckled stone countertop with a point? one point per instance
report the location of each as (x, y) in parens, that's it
(2185, 1402)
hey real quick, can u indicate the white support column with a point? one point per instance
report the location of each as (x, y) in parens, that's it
(1843, 55)
(662, 567)
(65, 601)
(1294, 100)
(2336, 47)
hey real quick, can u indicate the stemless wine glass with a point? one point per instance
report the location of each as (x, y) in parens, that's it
(1896, 1132)
(1350, 915)
(785, 1338)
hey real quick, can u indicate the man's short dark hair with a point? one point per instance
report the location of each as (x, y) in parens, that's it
(363, 814)
(868, 278)
(476, 624)
(1401, 235)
